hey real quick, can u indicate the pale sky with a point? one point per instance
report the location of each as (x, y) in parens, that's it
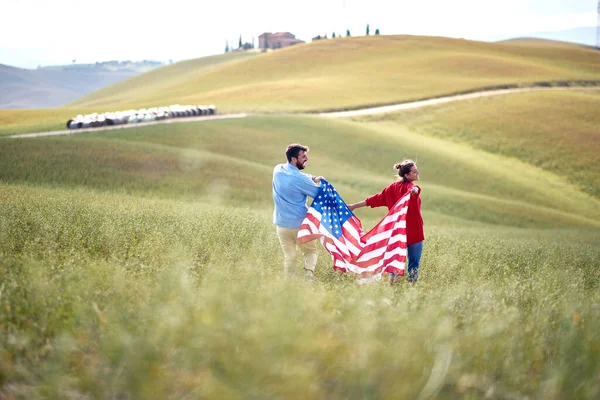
(43, 32)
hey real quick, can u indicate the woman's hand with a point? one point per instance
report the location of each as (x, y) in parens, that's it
(354, 206)
(414, 190)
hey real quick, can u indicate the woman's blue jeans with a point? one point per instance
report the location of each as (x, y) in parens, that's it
(414, 260)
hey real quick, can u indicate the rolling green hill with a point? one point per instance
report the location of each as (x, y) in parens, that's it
(330, 74)
(155, 83)
(556, 131)
(352, 72)
(230, 161)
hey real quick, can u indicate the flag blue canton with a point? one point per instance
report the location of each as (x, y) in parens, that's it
(334, 212)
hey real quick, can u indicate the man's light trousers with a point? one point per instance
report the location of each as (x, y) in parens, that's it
(289, 244)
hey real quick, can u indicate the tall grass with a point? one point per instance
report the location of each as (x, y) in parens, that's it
(107, 296)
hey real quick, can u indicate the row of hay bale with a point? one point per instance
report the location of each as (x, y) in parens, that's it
(95, 120)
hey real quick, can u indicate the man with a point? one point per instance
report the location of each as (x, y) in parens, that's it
(290, 190)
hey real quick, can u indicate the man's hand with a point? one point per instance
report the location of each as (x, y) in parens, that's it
(317, 179)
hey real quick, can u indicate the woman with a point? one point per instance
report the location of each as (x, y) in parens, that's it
(408, 173)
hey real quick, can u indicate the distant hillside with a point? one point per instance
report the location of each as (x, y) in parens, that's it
(129, 66)
(48, 87)
(351, 72)
(330, 74)
(533, 41)
(585, 35)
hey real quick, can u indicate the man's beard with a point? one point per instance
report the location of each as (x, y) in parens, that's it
(299, 165)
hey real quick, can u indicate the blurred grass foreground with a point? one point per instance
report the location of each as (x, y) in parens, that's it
(122, 297)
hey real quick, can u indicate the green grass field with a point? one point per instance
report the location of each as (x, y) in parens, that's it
(14, 122)
(556, 131)
(197, 160)
(143, 264)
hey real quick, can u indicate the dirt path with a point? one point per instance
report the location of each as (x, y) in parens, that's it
(441, 100)
(110, 128)
(335, 114)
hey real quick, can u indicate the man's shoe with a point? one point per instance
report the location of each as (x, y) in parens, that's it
(309, 275)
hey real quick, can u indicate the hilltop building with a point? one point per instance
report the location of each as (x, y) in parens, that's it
(277, 40)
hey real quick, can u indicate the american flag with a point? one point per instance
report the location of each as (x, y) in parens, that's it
(368, 255)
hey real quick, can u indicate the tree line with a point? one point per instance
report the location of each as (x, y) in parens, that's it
(248, 46)
(333, 35)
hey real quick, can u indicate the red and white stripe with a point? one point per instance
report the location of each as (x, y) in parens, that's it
(383, 249)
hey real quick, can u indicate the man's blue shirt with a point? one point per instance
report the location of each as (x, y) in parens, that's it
(290, 189)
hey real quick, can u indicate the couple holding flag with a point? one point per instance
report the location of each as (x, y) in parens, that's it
(397, 240)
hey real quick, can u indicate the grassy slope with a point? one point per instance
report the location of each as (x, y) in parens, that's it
(13, 122)
(25, 121)
(556, 131)
(342, 73)
(143, 264)
(220, 161)
(351, 72)
(530, 41)
(154, 82)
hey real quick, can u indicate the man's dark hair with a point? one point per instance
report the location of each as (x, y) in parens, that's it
(294, 149)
